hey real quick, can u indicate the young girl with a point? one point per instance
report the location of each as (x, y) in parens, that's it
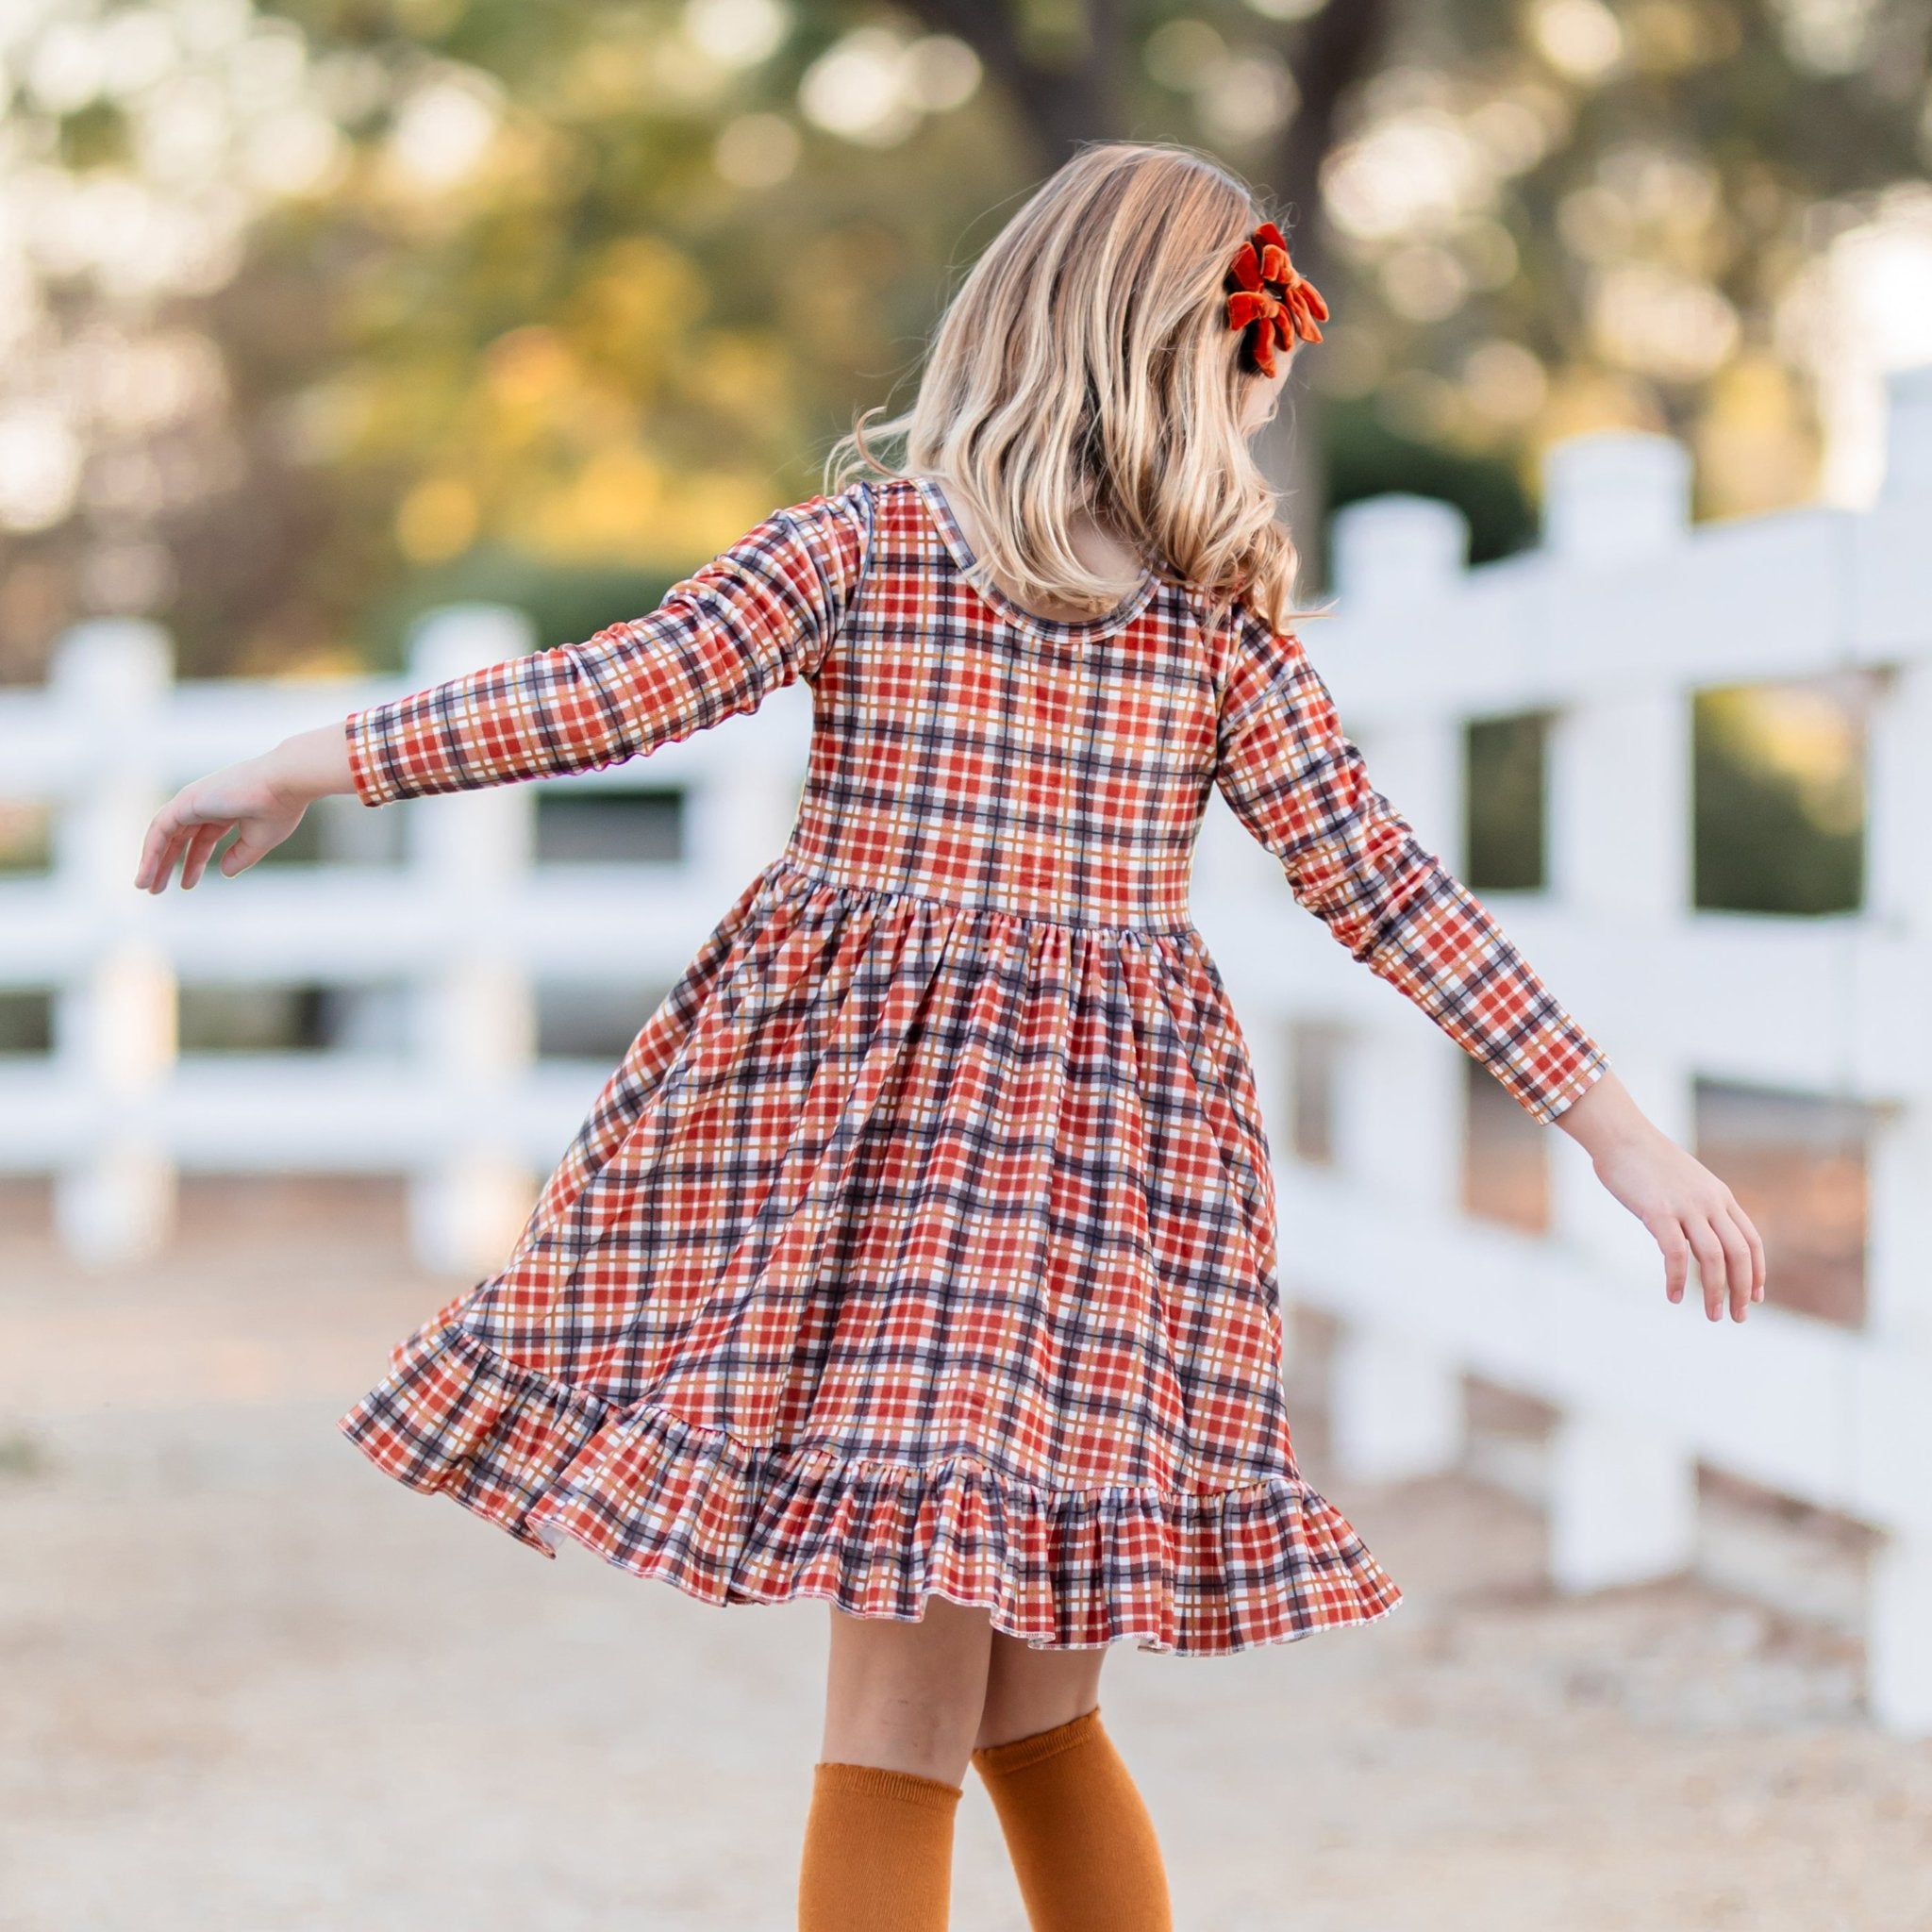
(920, 1255)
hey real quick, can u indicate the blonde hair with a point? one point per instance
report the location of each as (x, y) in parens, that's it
(1086, 364)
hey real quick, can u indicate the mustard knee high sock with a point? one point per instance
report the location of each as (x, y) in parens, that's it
(878, 1851)
(1082, 1845)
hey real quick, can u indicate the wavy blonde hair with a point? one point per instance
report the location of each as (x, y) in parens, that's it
(1086, 364)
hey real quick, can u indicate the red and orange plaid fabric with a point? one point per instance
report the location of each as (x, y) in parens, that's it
(924, 1241)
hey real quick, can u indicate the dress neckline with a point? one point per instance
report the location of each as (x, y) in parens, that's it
(953, 539)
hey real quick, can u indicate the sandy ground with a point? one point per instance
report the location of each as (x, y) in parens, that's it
(246, 1682)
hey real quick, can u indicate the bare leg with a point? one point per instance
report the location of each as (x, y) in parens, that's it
(903, 1702)
(1030, 1691)
(907, 1696)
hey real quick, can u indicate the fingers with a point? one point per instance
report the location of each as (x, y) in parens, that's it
(1754, 1241)
(1728, 1249)
(167, 835)
(161, 867)
(201, 846)
(1737, 1283)
(179, 846)
(1712, 1263)
(243, 853)
(1730, 1262)
(1677, 1253)
(176, 833)
(156, 851)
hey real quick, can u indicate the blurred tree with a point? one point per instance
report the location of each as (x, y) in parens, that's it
(310, 301)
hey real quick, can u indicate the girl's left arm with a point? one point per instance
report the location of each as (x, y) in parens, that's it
(1299, 785)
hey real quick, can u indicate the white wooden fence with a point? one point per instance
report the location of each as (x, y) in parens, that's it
(1611, 626)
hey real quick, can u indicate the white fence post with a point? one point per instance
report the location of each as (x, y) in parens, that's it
(1396, 1403)
(1623, 1502)
(1908, 436)
(1622, 1496)
(1615, 496)
(473, 1018)
(735, 828)
(1895, 1436)
(114, 1025)
(1899, 898)
(1899, 1239)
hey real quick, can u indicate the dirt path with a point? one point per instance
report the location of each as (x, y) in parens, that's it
(249, 1684)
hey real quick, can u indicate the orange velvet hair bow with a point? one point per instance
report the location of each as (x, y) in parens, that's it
(1268, 298)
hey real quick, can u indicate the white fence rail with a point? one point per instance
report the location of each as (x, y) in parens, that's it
(1610, 627)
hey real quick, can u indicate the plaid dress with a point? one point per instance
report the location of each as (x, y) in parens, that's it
(924, 1241)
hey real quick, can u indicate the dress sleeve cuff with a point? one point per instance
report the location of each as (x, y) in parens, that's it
(1548, 1097)
(364, 767)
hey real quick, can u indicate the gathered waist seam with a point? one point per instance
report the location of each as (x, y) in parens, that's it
(786, 862)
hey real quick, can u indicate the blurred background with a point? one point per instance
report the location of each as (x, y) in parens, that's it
(318, 320)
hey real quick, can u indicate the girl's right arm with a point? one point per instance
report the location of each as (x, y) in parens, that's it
(759, 615)
(261, 799)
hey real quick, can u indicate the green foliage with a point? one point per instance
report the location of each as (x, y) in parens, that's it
(95, 136)
(1505, 828)
(215, 1018)
(564, 604)
(23, 1456)
(1765, 840)
(1365, 458)
(1768, 836)
(26, 1022)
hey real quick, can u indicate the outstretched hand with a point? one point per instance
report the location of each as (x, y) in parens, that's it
(1688, 1209)
(246, 798)
(261, 799)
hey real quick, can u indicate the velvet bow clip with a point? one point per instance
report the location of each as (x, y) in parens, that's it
(1270, 299)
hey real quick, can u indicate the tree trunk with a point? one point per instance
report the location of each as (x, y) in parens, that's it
(1329, 58)
(1062, 100)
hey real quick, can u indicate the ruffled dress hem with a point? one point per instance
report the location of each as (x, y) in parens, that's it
(1205, 1573)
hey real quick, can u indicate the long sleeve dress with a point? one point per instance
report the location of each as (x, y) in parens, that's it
(924, 1242)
